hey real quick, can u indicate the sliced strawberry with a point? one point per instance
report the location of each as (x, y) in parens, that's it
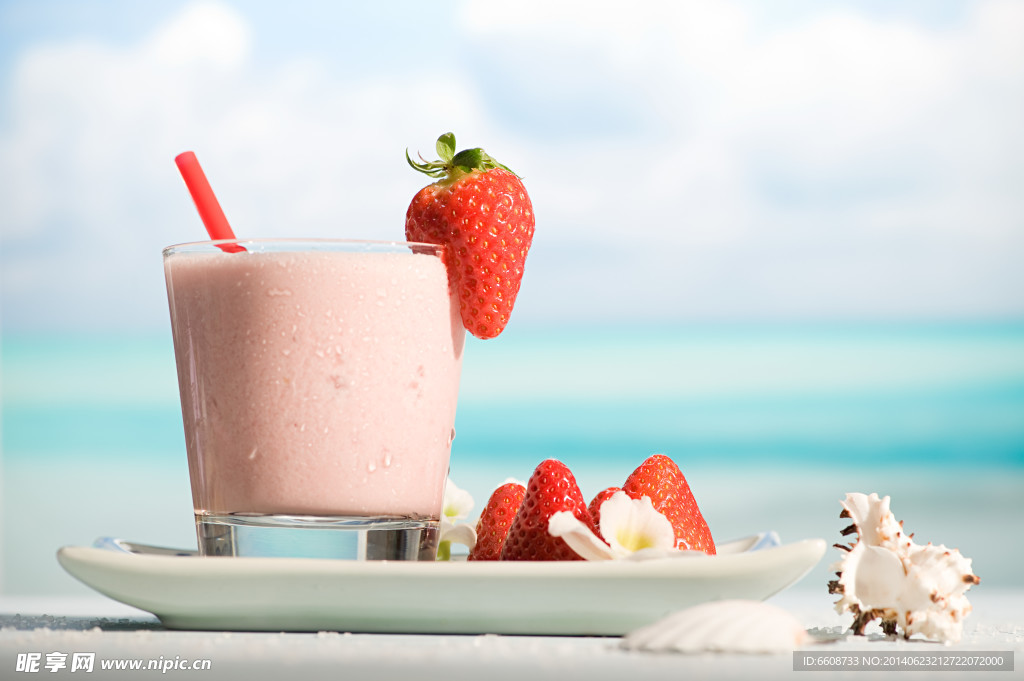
(660, 479)
(595, 506)
(496, 520)
(480, 212)
(551, 488)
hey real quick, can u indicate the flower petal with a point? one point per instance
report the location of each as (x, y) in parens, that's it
(578, 536)
(462, 533)
(457, 502)
(632, 525)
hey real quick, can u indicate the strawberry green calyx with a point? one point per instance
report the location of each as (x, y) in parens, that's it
(453, 165)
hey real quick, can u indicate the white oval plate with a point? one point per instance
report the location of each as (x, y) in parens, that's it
(571, 598)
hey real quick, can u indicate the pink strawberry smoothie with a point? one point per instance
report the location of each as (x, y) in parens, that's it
(315, 382)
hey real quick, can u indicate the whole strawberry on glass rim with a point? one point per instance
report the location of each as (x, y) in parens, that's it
(480, 212)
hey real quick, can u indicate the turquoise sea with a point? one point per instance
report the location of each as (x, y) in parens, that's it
(772, 425)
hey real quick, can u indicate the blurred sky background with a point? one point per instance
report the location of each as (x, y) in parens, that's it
(780, 241)
(687, 160)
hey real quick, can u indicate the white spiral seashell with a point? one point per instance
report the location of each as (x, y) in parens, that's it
(919, 589)
(731, 626)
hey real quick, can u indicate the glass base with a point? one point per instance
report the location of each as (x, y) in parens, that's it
(297, 536)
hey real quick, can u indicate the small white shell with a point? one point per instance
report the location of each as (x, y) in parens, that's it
(732, 626)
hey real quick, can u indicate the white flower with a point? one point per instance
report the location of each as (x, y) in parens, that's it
(456, 506)
(632, 528)
(457, 502)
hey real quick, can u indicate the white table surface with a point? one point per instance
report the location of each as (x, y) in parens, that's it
(112, 630)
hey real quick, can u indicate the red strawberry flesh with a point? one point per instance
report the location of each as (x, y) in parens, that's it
(496, 520)
(551, 488)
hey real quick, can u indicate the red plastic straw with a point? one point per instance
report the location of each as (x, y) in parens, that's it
(206, 202)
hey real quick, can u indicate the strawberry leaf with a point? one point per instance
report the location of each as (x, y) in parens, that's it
(431, 168)
(451, 164)
(472, 159)
(446, 147)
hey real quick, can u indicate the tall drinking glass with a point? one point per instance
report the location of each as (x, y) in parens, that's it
(319, 381)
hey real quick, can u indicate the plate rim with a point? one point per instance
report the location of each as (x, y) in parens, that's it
(74, 554)
(312, 594)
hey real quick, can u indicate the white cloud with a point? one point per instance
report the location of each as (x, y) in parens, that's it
(207, 36)
(837, 164)
(290, 151)
(685, 159)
